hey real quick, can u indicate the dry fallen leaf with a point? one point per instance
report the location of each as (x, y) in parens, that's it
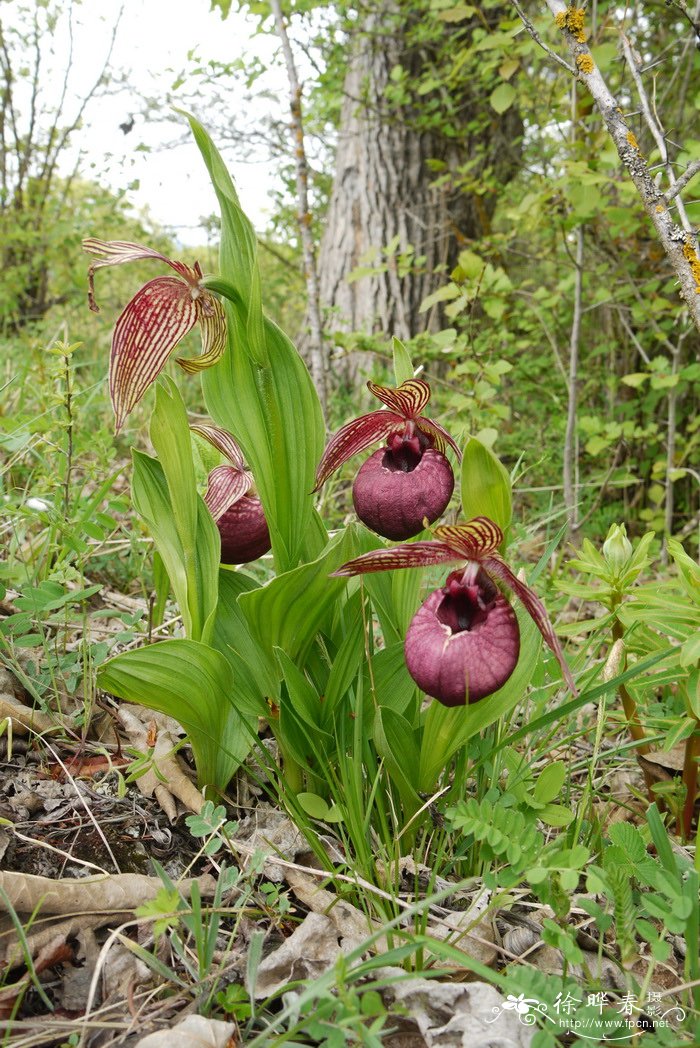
(120, 892)
(454, 1015)
(148, 730)
(193, 1032)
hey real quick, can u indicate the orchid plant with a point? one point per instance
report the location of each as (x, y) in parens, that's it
(334, 669)
(236, 509)
(408, 481)
(463, 642)
(154, 321)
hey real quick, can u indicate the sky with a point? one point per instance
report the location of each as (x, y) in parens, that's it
(152, 45)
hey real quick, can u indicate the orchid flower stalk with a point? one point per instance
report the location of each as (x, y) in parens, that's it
(155, 320)
(464, 641)
(236, 509)
(409, 480)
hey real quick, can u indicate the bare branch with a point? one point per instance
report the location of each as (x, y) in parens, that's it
(653, 123)
(690, 172)
(680, 246)
(538, 40)
(316, 351)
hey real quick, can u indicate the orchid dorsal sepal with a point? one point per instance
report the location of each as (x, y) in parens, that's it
(222, 440)
(403, 411)
(227, 484)
(155, 320)
(475, 542)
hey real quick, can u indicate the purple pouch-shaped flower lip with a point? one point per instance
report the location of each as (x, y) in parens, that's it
(244, 532)
(463, 643)
(237, 511)
(476, 544)
(395, 491)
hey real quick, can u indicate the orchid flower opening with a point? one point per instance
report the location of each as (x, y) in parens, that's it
(237, 511)
(463, 642)
(409, 480)
(154, 321)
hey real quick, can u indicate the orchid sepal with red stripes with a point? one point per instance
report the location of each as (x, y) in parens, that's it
(405, 406)
(475, 542)
(153, 323)
(226, 484)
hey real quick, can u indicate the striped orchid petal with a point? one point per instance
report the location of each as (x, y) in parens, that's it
(222, 441)
(150, 327)
(226, 486)
(354, 437)
(155, 320)
(410, 555)
(498, 569)
(439, 435)
(476, 539)
(117, 252)
(212, 323)
(407, 400)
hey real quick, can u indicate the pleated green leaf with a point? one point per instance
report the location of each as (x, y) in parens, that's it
(290, 610)
(486, 487)
(261, 391)
(255, 677)
(192, 683)
(396, 745)
(193, 570)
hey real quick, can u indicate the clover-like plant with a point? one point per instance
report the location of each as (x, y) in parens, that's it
(463, 642)
(236, 509)
(409, 480)
(154, 321)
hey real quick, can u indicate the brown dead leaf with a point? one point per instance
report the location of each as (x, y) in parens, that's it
(453, 1015)
(671, 761)
(193, 1032)
(311, 949)
(177, 784)
(117, 893)
(23, 718)
(85, 767)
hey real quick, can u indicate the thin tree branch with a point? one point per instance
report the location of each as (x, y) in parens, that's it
(316, 350)
(653, 123)
(538, 40)
(682, 181)
(680, 246)
(570, 447)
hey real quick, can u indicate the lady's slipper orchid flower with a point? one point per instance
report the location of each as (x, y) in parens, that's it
(152, 324)
(237, 512)
(407, 481)
(463, 642)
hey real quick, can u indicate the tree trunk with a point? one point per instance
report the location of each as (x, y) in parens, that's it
(396, 182)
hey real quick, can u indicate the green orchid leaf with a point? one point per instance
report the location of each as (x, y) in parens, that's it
(486, 487)
(192, 573)
(403, 367)
(396, 745)
(190, 682)
(198, 534)
(290, 610)
(255, 676)
(261, 390)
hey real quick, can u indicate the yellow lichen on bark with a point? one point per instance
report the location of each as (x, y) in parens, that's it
(632, 139)
(573, 20)
(585, 63)
(691, 256)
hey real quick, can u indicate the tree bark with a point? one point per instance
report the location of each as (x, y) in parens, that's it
(386, 191)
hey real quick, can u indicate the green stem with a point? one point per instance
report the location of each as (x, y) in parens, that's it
(628, 704)
(690, 781)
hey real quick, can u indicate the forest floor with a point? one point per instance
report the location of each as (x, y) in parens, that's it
(131, 909)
